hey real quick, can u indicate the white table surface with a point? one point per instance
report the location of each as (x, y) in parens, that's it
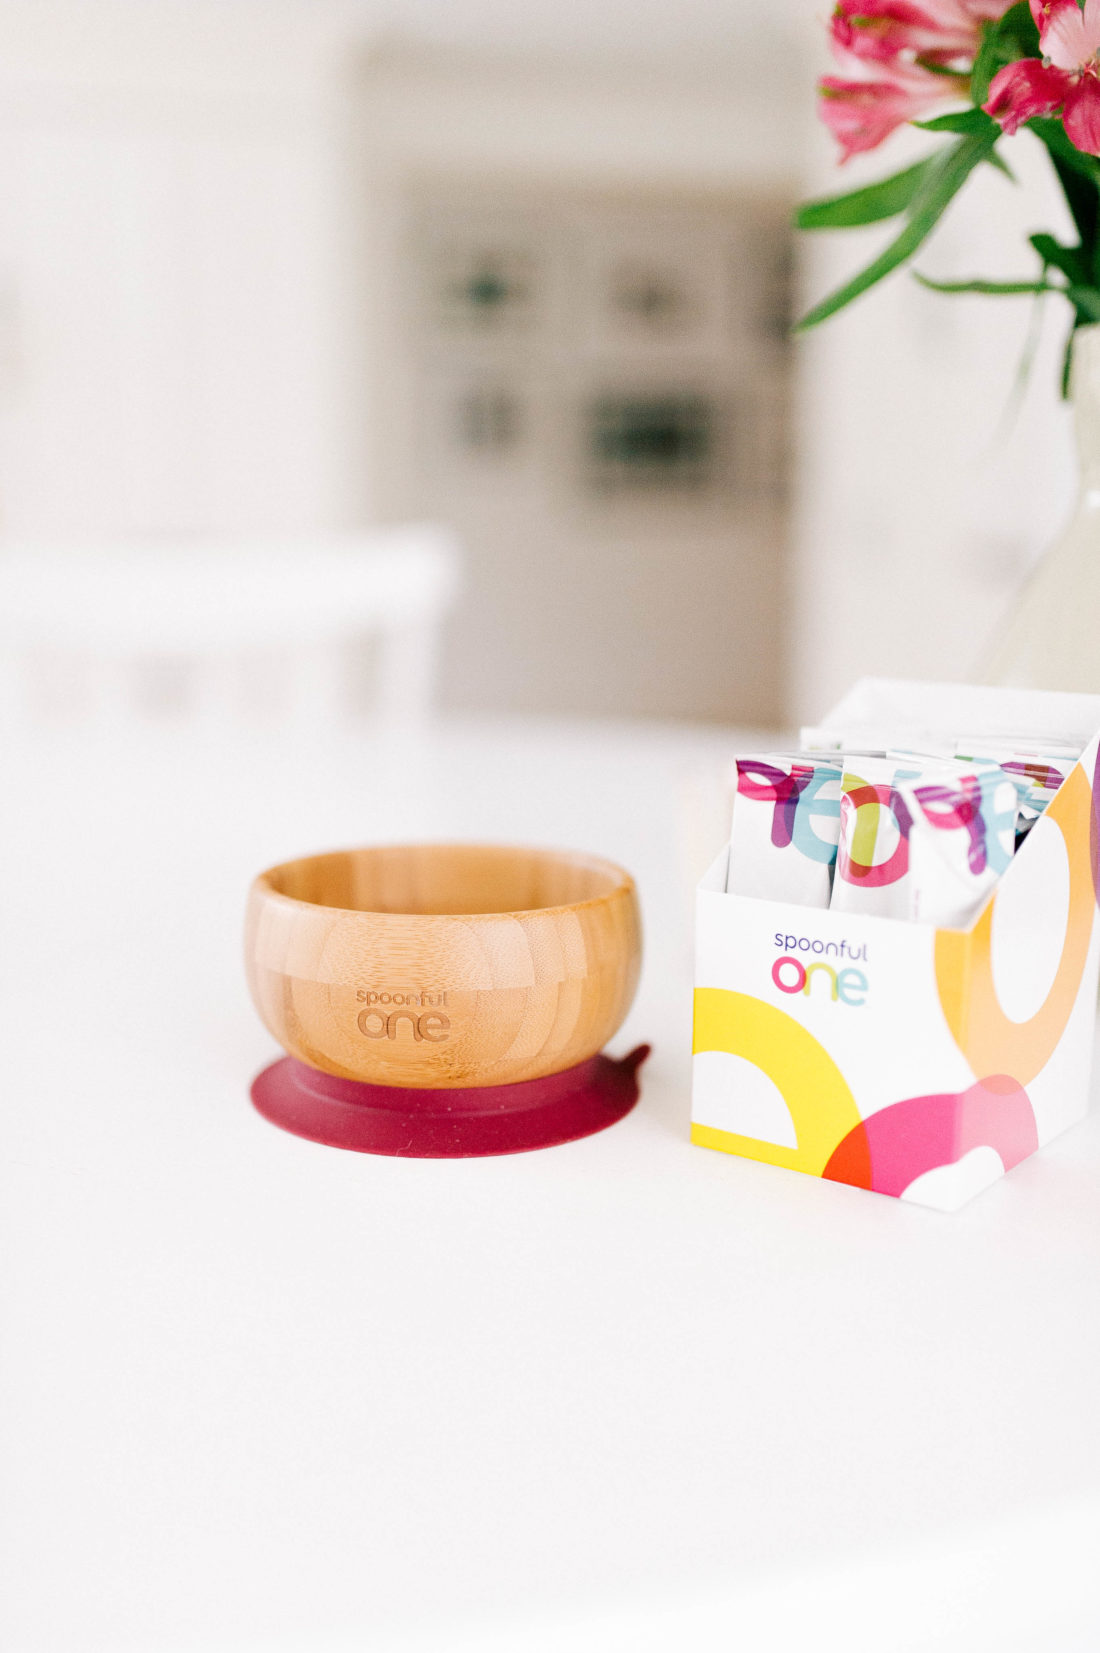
(258, 1394)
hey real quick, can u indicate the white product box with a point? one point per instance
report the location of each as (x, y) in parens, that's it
(911, 1060)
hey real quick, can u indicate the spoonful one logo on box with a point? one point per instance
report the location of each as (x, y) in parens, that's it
(846, 985)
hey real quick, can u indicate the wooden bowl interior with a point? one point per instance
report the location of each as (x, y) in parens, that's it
(446, 879)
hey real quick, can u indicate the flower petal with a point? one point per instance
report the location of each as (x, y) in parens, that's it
(1041, 10)
(880, 29)
(1026, 88)
(938, 31)
(1091, 17)
(1082, 115)
(861, 113)
(1065, 35)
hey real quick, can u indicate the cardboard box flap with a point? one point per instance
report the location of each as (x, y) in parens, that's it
(717, 874)
(966, 709)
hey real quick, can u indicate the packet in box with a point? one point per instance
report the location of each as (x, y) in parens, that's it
(912, 1058)
(925, 842)
(783, 836)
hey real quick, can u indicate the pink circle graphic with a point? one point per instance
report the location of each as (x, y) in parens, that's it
(891, 1148)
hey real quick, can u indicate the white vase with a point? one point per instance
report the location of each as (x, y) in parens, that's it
(1051, 639)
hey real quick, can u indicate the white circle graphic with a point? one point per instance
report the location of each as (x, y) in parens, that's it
(1029, 923)
(729, 1093)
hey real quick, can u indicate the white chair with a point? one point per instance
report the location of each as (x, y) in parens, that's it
(238, 630)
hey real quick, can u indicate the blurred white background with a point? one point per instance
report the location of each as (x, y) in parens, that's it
(293, 268)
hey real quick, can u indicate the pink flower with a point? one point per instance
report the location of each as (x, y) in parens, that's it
(879, 30)
(1024, 89)
(1067, 78)
(937, 31)
(1040, 11)
(895, 53)
(1069, 37)
(1081, 115)
(861, 113)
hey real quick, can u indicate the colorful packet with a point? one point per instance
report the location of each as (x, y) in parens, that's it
(786, 820)
(963, 838)
(872, 863)
(1039, 773)
(923, 844)
(1038, 768)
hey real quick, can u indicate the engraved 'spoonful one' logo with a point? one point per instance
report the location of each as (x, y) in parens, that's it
(389, 1015)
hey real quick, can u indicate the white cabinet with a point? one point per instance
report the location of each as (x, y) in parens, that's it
(168, 313)
(595, 391)
(604, 415)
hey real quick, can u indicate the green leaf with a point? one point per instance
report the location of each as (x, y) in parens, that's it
(1052, 133)
(884, 199)
(965, 121)
(864, 206)
(1003, 289)
(1086, 300)
(944, 178)
(1079, 176)
(986, 64)
(1070, 260)
(997, 160)
(1018, 31)
(1012, 36)
(1067, 360)
(968, 122)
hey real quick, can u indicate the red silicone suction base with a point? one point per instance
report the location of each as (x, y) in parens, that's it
(448, 1124)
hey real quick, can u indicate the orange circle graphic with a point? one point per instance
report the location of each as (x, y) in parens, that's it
(989, 1040)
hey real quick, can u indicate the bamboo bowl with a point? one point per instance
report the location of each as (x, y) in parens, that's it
(443, 965)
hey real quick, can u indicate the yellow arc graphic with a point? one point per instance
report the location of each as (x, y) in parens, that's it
(822, 1107)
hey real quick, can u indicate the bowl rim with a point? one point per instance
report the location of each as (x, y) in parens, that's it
(624, 885)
